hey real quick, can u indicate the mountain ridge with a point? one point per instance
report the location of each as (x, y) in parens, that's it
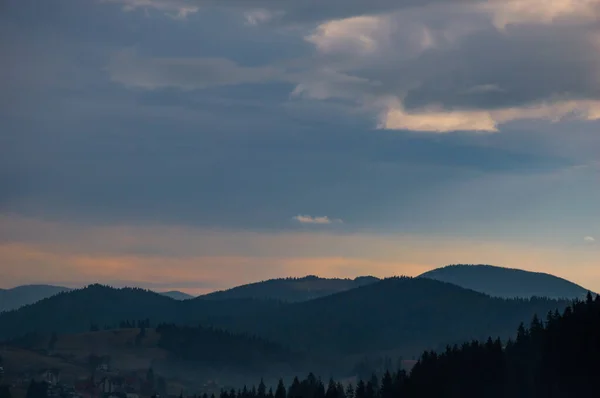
(291, 289)
(23, 295)
(410, 314)
(506, 282)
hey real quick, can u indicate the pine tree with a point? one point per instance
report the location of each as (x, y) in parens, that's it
(262, 389)
(331, 390)
(350, 391)
(387, 386)
(360, 391)
(281, 392)
(5, 391)
(341, 393)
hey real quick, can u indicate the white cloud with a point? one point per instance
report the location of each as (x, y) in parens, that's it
(516, 12)
(589, 239)
(435, 119)
(306, 219)
(260, 16)
(439, 54)
(360, 34)
(432, 67)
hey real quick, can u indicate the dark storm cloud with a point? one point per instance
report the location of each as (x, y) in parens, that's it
(495, 69)
(197, 124)
(295, 11)
(161, 170)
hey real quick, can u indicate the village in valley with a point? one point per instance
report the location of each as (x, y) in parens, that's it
(104, 382)
(36, 372)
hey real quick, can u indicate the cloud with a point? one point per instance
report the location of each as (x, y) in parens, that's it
(132, 70)
(198, 260)
(436, 119)
(516, 12)
(360, 34)
(386, 59)
(179, 9)
(260, 16)
(292, 10)
(305, 219)
(445, 69)
(589, 239)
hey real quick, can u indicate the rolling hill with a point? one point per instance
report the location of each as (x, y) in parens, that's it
(190, 354)
(177, 295)
(292, 289)
(20, 296)
(403, 315)
(397, 314)
(75, 311)
(507, 282)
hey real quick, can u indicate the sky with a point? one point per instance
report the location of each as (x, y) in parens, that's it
(201, 144)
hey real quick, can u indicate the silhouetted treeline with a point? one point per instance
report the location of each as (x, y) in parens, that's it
(5, 391)
(221, 348)
(555, 358)
(141, 323)
(37, 389)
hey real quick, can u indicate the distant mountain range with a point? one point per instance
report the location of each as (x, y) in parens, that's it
(23, 295)
(406, 314)
(488, 279)
(20, 296)
(292, 289)
(507, 282)
(177, 295)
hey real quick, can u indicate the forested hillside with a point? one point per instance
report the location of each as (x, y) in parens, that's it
(406, 314)
(292, 289)
(555, 358)
(397, 314)
(220, 349)
(106, 307)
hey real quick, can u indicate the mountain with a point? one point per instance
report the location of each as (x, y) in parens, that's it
(106, 307)
(11, 299)
(188, 354)
(20, 296)
(292, 289)
(176, 295)
(557, 358)
(506, 282)
(403, 315)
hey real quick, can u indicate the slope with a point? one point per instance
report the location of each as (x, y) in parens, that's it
(557, 358)
(177, 295)
(104, 306)
(292, 289)
(506, 282)
(20, 296)
(402, 314)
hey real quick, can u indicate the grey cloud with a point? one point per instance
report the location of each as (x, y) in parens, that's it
(219, 141)
(249, 175)
(525, 65)
(185, 73)
(303, 11)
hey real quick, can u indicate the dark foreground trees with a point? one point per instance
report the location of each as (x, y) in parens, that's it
(555, 358)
